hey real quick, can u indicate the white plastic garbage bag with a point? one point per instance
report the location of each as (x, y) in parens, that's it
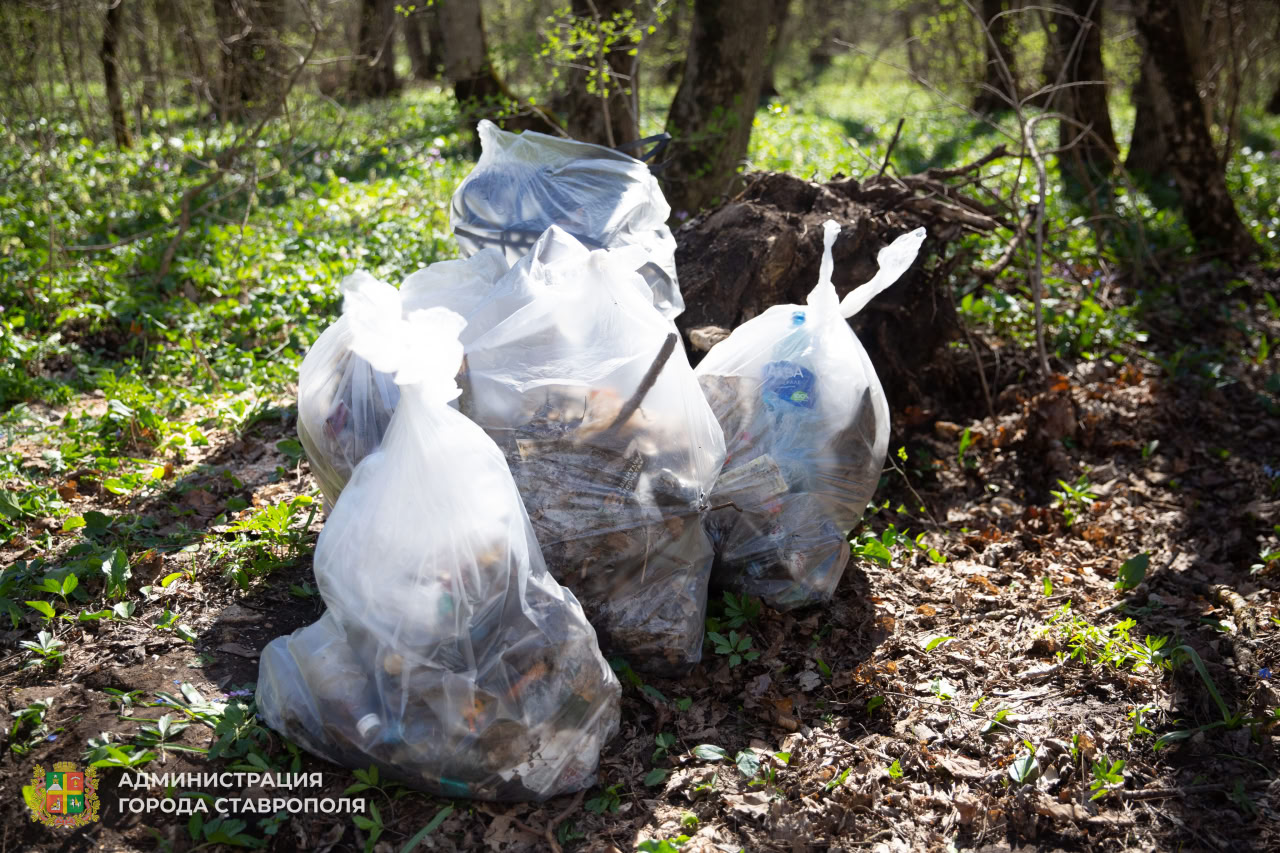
(448, 656)
(525, 183)
(344, 405)
(806, 427)
(614, 449)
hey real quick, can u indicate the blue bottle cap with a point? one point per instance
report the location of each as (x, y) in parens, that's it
(797, 318)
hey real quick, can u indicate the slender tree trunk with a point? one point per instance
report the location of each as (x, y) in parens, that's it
(252, 57)
(915, 63)
(1211, 214)
(417, 44)
(1078, 43)
(138, 22)
(711, 114)
(778, 33)
(374, 73)
(111, 74)
(26, 65)
(999, 89)
(589, 115)
(478, 89)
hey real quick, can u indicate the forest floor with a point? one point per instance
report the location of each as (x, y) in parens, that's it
(985, 687)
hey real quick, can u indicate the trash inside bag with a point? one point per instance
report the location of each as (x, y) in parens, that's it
(525, 183)
(344, 405)
(590, 396)
(448, 656)
(806, 426)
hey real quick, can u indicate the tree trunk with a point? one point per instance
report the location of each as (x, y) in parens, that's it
(1078, 45)
(478, 89)
(374, 73)
(423, 47)
(252, 57)
(111, 74)
(1149, 148)
(1211, 214)
(589, 116)
(999, 88)
(711, 114)
(778, 33)
(1273, 105)
(138, 21)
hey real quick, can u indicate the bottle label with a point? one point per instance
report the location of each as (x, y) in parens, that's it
(790, 382)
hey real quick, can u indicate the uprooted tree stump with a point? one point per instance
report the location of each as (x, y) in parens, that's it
(763, 247)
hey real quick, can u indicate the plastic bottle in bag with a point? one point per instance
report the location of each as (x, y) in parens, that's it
(806, 428)
(448, 656)
(525, 183)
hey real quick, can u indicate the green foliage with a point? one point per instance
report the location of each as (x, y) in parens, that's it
(46, 648)
(1073, 499)
(664, 741)
(1091, 645)
(736, 646)
(607, 802)
(1133, 571)
(664, 845)
(30, 726)
(1107, 776)
(584, 43)
(739, 610)
(268, 539)
(886, 547)
(1025, 769)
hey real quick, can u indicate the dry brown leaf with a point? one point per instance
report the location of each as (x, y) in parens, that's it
(984, 582)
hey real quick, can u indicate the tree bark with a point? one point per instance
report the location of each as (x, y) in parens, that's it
(138, 21)
(778, 19)
(422, 47)
(1078, 44)
(1211, 215)
(478, 89)
(374, 73)
(999, 88)
(111, 74)
(1149, 148)
(588, 116)
(711, 114)
(252, 57)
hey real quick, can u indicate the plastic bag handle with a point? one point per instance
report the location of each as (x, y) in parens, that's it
(894, 260)
(659, 141)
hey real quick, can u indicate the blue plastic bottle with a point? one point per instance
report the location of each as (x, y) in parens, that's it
(789, 392)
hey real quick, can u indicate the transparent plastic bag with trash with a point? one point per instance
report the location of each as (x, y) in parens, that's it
(344, 404)
(589, 394)
(806, 428)
(525, 183)
(448, 656)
